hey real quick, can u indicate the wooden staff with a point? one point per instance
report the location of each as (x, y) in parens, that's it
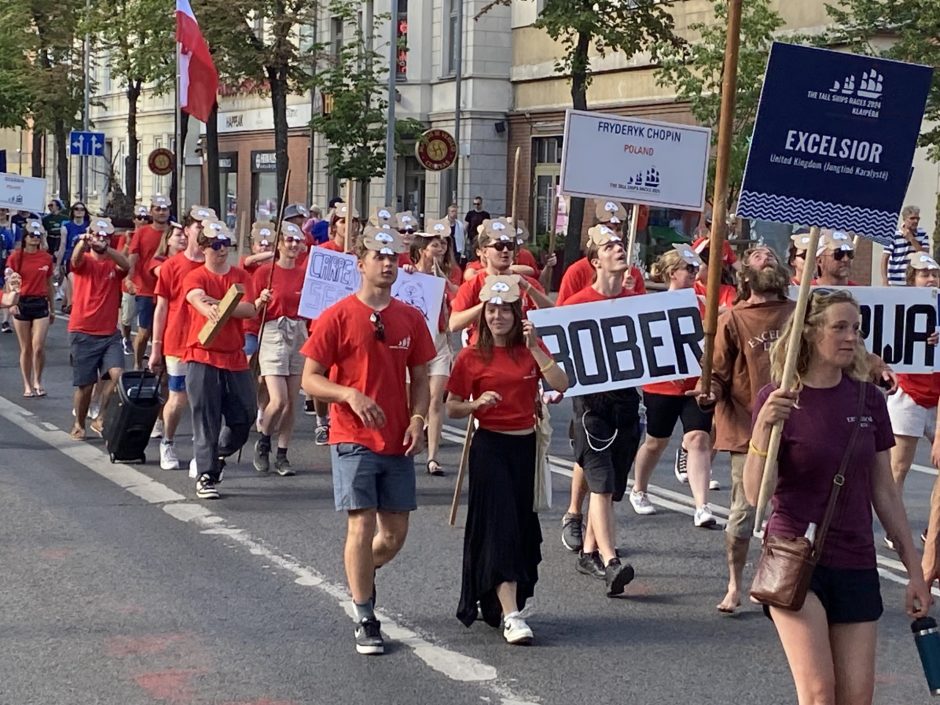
(769, 479)
(349, 207)
(546, 277)
(515, 185)
(462, 470)
(254, 363)
(729, 86)
(631, 238)
(242, 232)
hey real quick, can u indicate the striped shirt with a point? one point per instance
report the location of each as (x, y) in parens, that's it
(897, 253)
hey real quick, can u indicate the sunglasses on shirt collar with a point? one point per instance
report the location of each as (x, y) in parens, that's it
(378, 327)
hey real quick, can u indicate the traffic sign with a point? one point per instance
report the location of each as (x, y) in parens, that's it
(86, 144)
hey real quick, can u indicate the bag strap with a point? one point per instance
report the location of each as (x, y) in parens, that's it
(839, 479)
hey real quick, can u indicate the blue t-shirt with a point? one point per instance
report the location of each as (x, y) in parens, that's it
(73, 231)
(321, 231)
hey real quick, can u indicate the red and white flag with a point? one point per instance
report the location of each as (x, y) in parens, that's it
(199, 80)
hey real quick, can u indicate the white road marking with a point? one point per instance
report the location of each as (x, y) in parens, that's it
(452, 664)
(924, 469)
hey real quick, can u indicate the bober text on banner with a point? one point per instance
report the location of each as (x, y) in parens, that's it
(624, 342)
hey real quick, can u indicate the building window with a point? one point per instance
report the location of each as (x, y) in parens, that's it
(401, 64)
(451, 49)
(336, 38)
(547, 150)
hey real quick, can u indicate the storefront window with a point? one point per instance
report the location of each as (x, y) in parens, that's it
(228, 187)
(264, 184)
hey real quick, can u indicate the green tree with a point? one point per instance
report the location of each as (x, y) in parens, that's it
(139, 51)
(905, 30)
(589, 28)
(267, 47)
(695, 72)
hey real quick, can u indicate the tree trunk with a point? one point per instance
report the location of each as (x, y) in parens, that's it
(130, 160)
(213, 195)
(62, 159)
(277, 77)
(578, 102)
(39, 140)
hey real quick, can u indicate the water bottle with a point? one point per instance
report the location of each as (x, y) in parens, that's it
(927, 639)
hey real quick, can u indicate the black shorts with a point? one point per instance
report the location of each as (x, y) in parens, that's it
(32, 308)
(848, 595)
(605, 444)
(663, 410)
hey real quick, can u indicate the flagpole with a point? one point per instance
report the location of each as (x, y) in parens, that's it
(178, 147)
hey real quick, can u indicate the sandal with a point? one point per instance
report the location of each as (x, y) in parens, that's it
(39, 392)
(436, 469)
(29, 395)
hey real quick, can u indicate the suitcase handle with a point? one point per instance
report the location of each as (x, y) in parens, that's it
(140, 384)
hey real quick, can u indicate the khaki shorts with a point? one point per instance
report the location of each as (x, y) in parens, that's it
(128, 309)
(441, 365)
(279, 354)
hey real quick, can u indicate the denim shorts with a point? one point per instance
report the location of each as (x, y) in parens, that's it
(145, 308)
(93, 355)
(366, 480)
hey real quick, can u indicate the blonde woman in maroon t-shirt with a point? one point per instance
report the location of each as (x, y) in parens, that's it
(830, 641)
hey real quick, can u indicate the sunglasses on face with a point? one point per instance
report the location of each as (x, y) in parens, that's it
(378, 327)
(78, 209)
(820, 292)
(291, 238)
(502, 246)
(691, 268)
(478, 203)
(32, 234)
(839, 255)
(219, 244)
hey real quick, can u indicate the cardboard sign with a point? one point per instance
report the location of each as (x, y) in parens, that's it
(424, 292)
(624, 342)
(22, 193)
(640, 161)
(896, 322)
(332, 276)
(834, 140)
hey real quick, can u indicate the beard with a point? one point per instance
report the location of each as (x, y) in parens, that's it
(773, 279)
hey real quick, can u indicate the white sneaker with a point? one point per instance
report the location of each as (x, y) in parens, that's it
(515, 630)
(641, 503)
(704, 517)
(192, 469)
(157, 431)
(168, 458)
(714, 485)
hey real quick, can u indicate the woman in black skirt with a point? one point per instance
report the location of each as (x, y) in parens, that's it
(496, 380)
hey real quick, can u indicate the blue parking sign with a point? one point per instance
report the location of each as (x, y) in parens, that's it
(834, 140)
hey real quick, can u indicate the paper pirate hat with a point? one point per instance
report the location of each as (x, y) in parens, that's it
(600, 235)
(435, 228)
(263, 231)
(609, 212)
(383, 240)
(500, 289)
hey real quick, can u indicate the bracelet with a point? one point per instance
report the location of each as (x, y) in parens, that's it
(424, 421)
(754, 449)
(156, 342)
(547, 365)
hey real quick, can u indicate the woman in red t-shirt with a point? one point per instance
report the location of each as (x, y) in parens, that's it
(262, 252)
(279, 358)
(429, 251)
(174, 241)
(497, 380)
(668, 402)
(34, 312)
(913, 408)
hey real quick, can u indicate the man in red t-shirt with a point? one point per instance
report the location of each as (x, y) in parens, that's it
(606, 420)
(141, 284)
(498, 248)
(359, 352)
(94, 339)
(218, 380)
(171, 327)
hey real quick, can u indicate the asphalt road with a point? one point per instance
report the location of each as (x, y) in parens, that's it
(120, 587)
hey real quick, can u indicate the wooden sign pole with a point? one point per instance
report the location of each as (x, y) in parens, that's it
(227, 306)
(631, 238)
(515, 185)
(769, 478)
(461, 470)
(729, 86)
(546, 277)
(349, 210)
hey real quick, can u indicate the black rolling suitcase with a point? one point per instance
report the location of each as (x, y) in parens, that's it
(131, 415)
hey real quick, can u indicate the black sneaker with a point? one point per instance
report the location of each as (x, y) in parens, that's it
(262, 459)
(369, 636)
(590, 564)
(5, 328)
(205, 488)
(572, 535)
(617, 576)
(309, 408)
(679, 467)
(282, 466)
